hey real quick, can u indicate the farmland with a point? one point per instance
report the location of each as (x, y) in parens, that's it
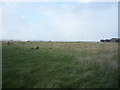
(59, 65)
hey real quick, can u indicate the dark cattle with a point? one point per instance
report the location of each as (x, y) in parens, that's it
(35, 48)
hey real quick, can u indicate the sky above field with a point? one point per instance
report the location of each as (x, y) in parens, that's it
(59, 21)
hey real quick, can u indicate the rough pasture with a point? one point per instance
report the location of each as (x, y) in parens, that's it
(60, 65)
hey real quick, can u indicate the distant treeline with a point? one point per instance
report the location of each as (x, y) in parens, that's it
(111, 40)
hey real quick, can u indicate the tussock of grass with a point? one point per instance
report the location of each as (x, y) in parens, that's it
(66, 65)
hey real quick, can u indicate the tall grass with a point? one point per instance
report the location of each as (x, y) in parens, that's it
(60, 65)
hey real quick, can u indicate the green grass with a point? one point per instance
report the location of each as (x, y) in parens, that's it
(66, 65)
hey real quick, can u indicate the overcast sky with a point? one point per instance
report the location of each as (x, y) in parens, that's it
(59, 21)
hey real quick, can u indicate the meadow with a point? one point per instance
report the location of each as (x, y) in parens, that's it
(59, 65)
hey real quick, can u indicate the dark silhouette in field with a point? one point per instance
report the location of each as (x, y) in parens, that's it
(35, 48)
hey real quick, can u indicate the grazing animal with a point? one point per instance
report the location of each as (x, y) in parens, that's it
(35, 48)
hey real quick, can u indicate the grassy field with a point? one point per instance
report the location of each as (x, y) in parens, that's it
(60, 65)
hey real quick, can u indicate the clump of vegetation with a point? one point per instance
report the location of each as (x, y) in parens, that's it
(60, 65)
